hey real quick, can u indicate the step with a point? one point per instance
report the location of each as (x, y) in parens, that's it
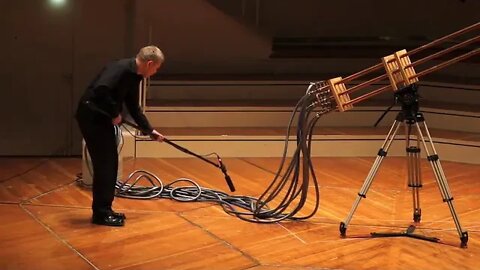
(275, 93)
(326, 142)
(442, 116)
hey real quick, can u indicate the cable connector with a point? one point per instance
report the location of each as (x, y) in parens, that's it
(223, 168)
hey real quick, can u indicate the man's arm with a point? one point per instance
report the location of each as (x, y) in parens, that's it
(131, 101)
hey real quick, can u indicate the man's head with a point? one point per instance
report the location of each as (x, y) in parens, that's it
(149, 59)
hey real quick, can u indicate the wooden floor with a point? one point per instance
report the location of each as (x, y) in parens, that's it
(45, 220)
(271, 131)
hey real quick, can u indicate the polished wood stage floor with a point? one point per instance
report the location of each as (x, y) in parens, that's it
(45, 220)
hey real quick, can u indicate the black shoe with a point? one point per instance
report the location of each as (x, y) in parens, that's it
(107, 220)
(118, 215)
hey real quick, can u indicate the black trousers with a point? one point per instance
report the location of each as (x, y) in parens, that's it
(99, 134)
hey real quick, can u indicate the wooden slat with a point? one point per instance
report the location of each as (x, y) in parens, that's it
(407, 70)
(339, 90)
(163, 234)
(393, 71)
(26, 244)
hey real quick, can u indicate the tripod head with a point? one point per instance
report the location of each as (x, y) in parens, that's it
(408, 98)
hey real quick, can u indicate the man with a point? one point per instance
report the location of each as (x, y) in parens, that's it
(99, 110)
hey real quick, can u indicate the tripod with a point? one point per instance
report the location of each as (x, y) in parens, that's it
(412, 119)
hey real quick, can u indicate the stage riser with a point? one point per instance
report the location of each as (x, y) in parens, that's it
(322, 146)
(364, 117)
(191, 91)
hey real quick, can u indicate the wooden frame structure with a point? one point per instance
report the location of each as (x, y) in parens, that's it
(400, 70)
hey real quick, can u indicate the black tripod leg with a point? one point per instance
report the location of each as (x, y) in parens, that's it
(414, 172)
(441, 180)
(414, 182)
(371, 175)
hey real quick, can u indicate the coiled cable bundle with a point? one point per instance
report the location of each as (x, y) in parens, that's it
(193, 192)
(288, 190)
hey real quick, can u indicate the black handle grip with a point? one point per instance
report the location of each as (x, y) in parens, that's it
(229, 183)
(227, 177)
(221, 165)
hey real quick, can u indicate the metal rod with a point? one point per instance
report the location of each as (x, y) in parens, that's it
(419, 74)
(361, 73)
(412, 52)
(368, 95)
(442, 39)
(364, 84)
(445, 51)
(446, 63)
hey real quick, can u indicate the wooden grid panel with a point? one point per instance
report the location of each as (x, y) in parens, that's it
(338, 89)
(399, 69)
(407, 70)
(391, 66)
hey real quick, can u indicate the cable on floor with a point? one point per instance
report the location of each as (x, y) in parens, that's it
(284, 197)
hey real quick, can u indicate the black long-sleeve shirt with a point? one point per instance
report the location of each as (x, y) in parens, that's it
(116, 84)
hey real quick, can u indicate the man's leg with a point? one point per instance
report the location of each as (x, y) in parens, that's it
(103, 152)
(100, 140)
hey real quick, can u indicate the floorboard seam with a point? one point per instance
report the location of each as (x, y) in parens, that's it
(292, 233)
(302, 267)
(255, 261)
(39, 164)
(55, 235)
(50, 191)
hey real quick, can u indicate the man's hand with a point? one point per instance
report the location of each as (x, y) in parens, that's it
(117, 120)
(159, 137)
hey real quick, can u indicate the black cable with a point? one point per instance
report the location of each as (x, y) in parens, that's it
(285, 196)
(283, 199)
(220, 164)
(383, 115)
(298, 189)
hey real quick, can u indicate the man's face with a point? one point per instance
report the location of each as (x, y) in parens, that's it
(149, 68)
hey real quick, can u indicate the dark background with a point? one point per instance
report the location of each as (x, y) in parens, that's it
(49, 54)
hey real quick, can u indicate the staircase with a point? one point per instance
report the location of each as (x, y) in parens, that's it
(195, 115)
